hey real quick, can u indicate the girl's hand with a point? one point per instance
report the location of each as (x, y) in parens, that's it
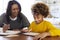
(30, 30)
(37, 37)
(41, 36)
(6, 27)
(45, 34)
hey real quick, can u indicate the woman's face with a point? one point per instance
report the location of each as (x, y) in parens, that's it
(38, 18)
(14, 10)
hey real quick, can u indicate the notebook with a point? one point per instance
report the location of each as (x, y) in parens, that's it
(9, 32)
(31, 33)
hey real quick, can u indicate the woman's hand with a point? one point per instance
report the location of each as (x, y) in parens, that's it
(6, 27)
(41, 36)
(26, 30)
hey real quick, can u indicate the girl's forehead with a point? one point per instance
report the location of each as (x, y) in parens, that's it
(37, 14)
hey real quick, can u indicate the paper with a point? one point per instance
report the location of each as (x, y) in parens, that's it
(31, 33)
(9, 32)
(1, 29)
(12, 36)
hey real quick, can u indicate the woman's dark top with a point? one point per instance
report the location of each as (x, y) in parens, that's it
(16, 24)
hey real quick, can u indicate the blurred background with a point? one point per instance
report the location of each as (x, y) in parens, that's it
(54, 6)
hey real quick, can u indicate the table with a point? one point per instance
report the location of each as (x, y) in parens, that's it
(24, 37)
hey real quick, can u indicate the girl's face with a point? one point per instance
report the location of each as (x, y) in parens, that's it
(38, 18)
(15, 10)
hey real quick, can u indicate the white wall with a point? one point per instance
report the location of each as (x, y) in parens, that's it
(26, 8)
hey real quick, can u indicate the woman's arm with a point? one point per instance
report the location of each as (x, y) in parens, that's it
(25, 23)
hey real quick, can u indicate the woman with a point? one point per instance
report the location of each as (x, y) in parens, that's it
(13, 19)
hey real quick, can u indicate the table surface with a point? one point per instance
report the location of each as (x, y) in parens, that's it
(24, 37)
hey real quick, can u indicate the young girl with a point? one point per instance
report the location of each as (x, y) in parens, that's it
(45, 28)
